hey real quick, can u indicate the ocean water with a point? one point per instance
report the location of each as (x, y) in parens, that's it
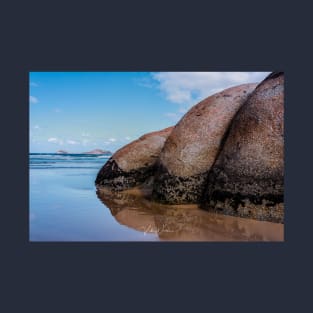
(63, 202)
(66, 206)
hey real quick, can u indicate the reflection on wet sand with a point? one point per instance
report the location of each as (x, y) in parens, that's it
(184, 222)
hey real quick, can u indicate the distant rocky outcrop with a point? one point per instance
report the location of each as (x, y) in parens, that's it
(226, 154)
(135, 163)
(192, 147)
(62, 152)
(98, 151)
(248, 177)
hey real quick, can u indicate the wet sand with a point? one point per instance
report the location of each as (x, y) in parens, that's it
(135, 210)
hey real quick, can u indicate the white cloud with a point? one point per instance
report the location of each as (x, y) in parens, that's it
(33, 84)
(73, 142)
(33, 99)
(187, 88)
(128, 138)
(112, 139)
(85, 134)
(55, 140)
(57, 110)
(36, 127)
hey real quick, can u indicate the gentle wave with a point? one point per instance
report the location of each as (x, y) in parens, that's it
(66, 161)
(64, 167)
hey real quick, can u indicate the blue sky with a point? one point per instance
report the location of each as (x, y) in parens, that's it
(81, 111)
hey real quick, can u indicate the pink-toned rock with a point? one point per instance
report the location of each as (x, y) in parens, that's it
(193, 145)
(133, 164)
(247, 178)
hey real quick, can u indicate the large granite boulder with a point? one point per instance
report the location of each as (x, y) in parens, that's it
(133, 164)
(247, 178)
(193, 145)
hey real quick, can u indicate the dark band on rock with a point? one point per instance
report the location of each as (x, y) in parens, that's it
(113, 177)
(173, 189)
(245, 197)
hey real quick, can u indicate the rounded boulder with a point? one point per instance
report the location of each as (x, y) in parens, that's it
(247, 178)
(194, 144)
(133, 164)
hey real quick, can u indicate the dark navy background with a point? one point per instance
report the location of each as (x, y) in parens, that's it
(155, 36)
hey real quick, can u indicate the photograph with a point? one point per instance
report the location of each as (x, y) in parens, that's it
(156, 156)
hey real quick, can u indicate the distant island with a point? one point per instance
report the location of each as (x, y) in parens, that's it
(98, 151)
(95, 151)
